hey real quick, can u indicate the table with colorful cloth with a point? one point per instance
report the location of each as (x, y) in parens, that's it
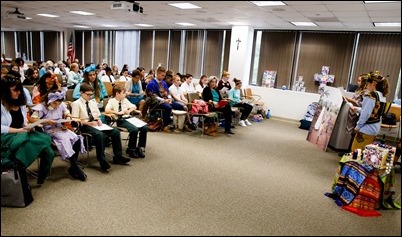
(364, 181)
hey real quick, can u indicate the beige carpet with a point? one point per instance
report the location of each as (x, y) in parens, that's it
(264, 180)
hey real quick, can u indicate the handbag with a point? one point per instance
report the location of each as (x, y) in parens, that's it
(15, 190)
(389, 119)
(199, 107)
(155, 125)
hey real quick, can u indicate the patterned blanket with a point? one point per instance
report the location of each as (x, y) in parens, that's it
(349, 182)
(366, 201)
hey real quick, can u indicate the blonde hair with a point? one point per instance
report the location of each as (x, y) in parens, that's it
(225, 74)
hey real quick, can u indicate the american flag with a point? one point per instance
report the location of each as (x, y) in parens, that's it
(70, 49)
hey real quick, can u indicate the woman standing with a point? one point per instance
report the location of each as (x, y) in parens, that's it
(373, 105)
(355, 106)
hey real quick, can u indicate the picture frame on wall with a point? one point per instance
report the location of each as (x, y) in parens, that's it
(268, 79)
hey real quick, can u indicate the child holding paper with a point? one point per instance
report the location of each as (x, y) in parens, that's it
(120, 106)
(67, 142)
(86, 110)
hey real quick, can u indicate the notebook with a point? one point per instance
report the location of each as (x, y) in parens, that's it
(222, 103)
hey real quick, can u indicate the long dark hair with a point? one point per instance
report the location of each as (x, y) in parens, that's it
(96, 86)
(42, 83)
(8, 81)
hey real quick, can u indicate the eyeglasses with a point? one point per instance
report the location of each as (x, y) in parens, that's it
(89, 94)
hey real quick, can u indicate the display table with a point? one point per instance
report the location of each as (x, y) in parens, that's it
(365, 181)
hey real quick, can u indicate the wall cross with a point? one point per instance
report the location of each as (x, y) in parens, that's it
(238, 42)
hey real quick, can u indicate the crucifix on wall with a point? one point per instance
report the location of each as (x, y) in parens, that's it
(238, 42)
(323, 78)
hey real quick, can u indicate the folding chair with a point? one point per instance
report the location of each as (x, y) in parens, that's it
(389, 130)
(109, 88)
(253, 99)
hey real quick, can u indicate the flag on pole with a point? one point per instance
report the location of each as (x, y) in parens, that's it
(70, 49)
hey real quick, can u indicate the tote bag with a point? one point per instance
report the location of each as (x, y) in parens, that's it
(15, 190)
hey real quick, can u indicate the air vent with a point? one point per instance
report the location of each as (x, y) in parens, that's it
(324, 19)
(117, 5)
(206, 19)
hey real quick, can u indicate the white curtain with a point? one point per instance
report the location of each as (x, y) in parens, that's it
(127, 49)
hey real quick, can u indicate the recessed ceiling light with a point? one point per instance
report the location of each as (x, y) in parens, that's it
(47, 15)
(268, 3)
(303, 23)
(184, 5)
(388, 24)
(144, 25)
(185, 24)
(80, 26)
(82, 13)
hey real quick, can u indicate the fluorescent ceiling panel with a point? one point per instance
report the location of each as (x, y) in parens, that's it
(185, 24)
(47, 15)
(184, 5)
(82, 13)
(378, 1)
(303, 23)
(79, 26)
(268, 3)
(144, 25)
(387, 24)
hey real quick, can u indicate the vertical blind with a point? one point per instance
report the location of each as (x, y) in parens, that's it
(161, 49)
(146, 42)
(325, 49)
(276, 54)
(380, 52)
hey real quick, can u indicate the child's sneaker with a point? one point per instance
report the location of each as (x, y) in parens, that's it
(247, 122)
(241, 123)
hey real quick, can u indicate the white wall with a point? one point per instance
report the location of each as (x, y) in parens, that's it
(240, 58)
(285, 103)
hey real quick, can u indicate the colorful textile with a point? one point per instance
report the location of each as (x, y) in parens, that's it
(350, 179)
(365, 202)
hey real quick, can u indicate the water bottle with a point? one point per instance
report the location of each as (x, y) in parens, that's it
(268, 114)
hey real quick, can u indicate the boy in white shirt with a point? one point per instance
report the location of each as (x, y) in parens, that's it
(119, 105)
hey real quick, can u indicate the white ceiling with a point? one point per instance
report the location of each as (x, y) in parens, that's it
(328, 15)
